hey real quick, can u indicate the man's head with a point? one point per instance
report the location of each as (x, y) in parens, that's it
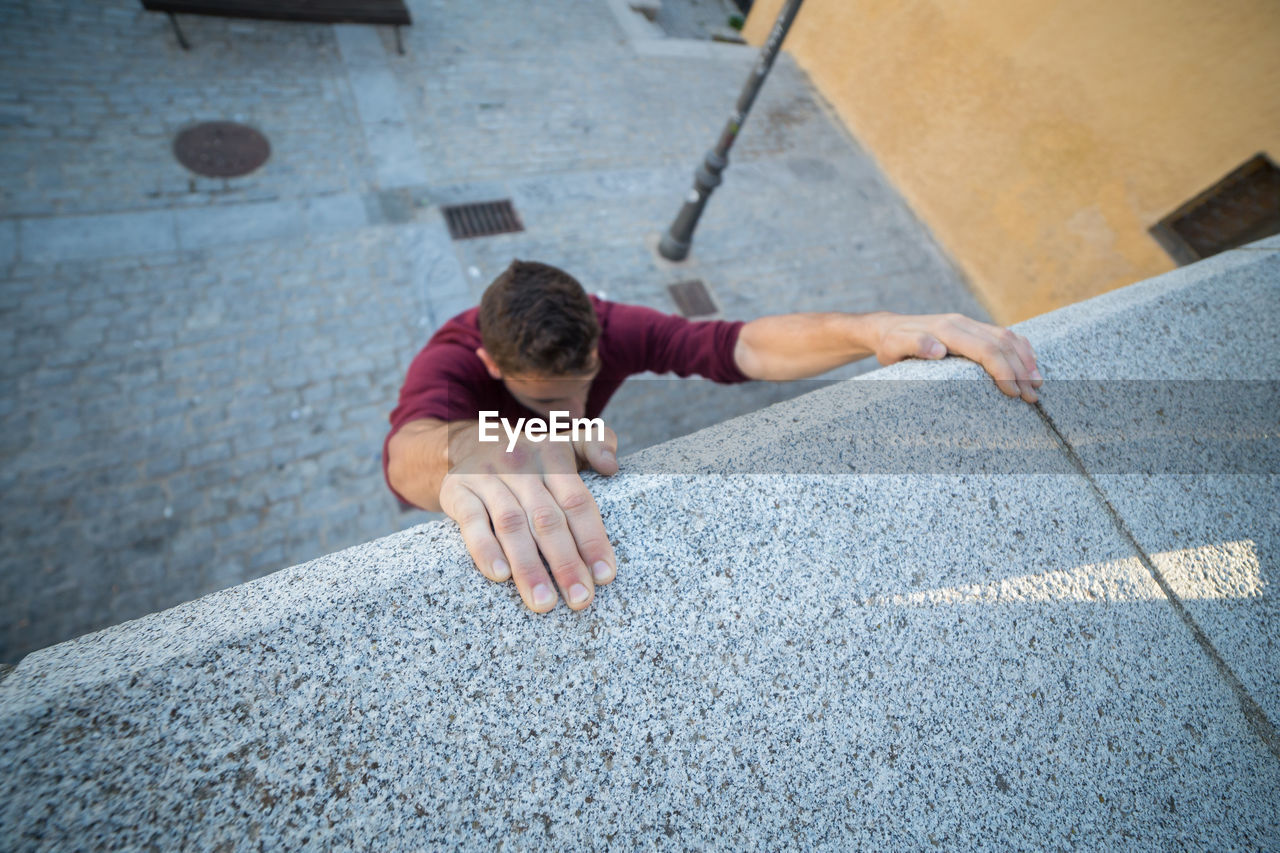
(539, 333)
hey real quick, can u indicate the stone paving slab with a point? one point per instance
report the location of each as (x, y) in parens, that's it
(1205, 515)
(679, 48)
(47, 241)
(381, 112)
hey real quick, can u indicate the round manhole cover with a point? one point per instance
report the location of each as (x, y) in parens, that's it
(221, 149)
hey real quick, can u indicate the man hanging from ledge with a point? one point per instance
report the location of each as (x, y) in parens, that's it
(538, 349)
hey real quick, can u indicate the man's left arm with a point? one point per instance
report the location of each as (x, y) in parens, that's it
(798, 346)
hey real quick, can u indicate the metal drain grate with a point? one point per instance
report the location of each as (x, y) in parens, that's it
(1242, 207)
(482, 219)
(692, 299)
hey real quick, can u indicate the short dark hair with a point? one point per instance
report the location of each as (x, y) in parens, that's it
(536, 318)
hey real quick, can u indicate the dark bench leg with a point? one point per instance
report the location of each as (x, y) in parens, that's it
(399, 44)
(178, 31)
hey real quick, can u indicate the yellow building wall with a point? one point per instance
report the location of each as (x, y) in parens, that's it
(1040, 140)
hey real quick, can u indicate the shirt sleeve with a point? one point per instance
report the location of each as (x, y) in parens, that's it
(668, 343)
(439, 385)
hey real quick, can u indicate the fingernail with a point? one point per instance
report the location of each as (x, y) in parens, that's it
(578, 594)
(602, 572)
(543, 596)
(501, 570)
(607, 456)
(1035, 374)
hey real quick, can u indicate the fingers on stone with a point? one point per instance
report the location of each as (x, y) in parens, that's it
(473, 523)
(511, 524)
(1026, 353)
(556, 542)
(584, 520)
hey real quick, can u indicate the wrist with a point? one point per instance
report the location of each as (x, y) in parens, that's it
(871, 330)
(463, 441)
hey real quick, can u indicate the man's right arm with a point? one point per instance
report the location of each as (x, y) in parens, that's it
(418, 458)
(514, 508)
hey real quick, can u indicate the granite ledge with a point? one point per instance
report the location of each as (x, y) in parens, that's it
(788, 658)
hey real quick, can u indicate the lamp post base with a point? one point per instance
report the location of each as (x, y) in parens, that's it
(673, 249)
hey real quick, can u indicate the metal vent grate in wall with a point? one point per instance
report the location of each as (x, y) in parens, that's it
(482, 219)
(692, 299)
(1242, 207)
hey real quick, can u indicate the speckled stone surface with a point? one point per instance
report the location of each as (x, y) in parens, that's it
(785, 661)
(1208, 517)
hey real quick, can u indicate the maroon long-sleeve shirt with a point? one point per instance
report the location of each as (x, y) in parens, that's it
(448, 381)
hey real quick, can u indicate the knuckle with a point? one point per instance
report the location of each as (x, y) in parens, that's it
(589, 545)
(567, 567)
(576, 502)
(546, 519)
(453, 488)
(510, 521)
(527, 574)
(471, 516)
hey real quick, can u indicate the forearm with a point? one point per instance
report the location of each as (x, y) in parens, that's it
(797, 346)
(419, 457)
(794, 346)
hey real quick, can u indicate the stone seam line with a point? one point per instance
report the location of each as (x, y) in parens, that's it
(1253, 713)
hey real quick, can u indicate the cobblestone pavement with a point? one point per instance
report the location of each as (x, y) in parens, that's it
(197, 373)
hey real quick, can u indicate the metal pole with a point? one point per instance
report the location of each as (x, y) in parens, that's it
(676, 242)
